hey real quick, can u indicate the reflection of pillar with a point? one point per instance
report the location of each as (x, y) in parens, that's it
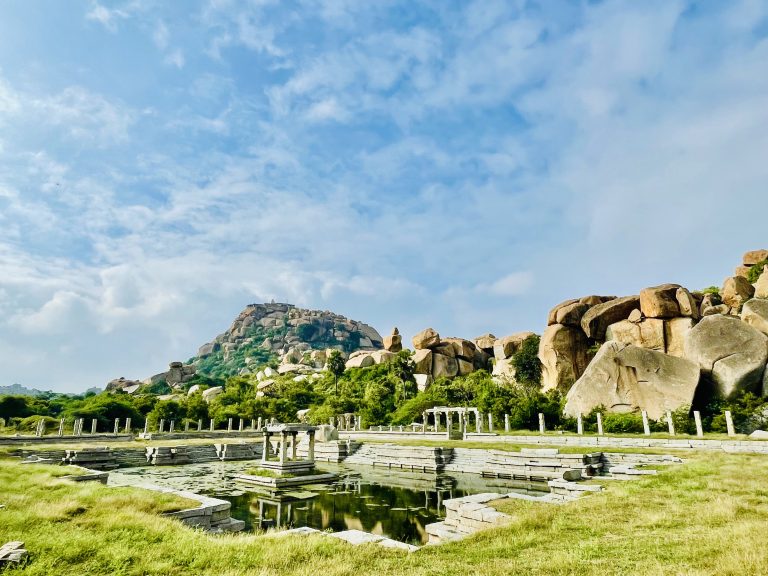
(311, 449)
(261, 513)
(279, 514)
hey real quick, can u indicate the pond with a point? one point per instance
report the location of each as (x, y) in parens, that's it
(394, 504)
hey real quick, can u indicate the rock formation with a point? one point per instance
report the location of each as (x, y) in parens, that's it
(627, 378)
(394, 342)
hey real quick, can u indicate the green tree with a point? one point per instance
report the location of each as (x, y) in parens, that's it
(335, 365)
(526, 362)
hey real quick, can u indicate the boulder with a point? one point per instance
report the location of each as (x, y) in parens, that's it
(765, 381)
(635, 316)
(326, 433)
(572, 314)
(444, 348)
(426, 339)
(504, 370)
(193, 389)
(462, 348)
(755, 313)
(761, 286)
(381, 356)
(552, 317)
(444, 366)
(465, 367)
(563, 352)
(741, 271)
(660, 301)
(481, 359)
(627, 378)
(731, 354)
(597, 319)
(207, 349)
(646, 334)
(505, 347)
(486, 342)
(675, 332)
(212, 393)
(422, 359)
(121, 384)
(422, 381)
(736, 290)
(595, 300)
(754, 257)
(360, 361)
(687, 303)
(393, 342)
(714, 310)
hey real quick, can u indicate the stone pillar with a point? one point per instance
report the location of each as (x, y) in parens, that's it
(478, 423)
(541, 423)
(162, 425)
(490, 422)
(579, 425)
(283, 447)
(506, 422)
(265, 448)
(599, 424)
(61, 427)
(253, 424)
(670, 423)
(117, 426)
(212, 425)
(39, 427)
(646, 425)
(186, 426)
(242, 425)
(80, 426)
(311, 448)
(258, 423)
(294, 441)
(425, 419)
(170, 429)
(699, 429)
(729, 423)
(94, 423)
(199, 424)
(127, 425)
(229, 425)
(331, 420)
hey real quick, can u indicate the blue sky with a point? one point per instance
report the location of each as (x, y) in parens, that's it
(460, 165)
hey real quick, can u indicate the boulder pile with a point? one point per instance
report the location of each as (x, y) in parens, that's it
(663, 349)
(437, 357)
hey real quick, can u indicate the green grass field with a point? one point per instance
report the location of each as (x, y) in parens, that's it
(707, 516)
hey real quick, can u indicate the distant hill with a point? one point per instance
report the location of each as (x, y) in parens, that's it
(19, 390)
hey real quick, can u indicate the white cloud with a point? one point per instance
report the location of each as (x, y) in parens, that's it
(513, 284)
(175, 58)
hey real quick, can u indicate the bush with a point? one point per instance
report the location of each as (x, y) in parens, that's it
(622, 423)
(755, 271)
(29, 424)
(526, 362)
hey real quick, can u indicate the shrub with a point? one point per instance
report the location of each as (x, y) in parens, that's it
(526, 362)
(620, 423)
(755, 271)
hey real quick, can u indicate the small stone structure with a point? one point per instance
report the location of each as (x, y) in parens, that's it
(99, 458)
(285, 433)
(168, 455)
(12, 553)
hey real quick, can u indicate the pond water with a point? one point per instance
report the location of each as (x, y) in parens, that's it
(394, 504)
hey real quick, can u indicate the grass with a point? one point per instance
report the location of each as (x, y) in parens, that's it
(704, 517)
(268, 473)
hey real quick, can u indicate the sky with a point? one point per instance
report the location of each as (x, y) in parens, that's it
(460, 165)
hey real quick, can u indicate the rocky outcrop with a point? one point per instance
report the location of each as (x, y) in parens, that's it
(393, 342)
(660, 301)
(755, 313)
(597, 319)
(627, 378)
(427, 338)
(761, 286)
(123, 385)
(732, 354)
(736, 290)
(648, 333)
(177, 375)
(564, 355)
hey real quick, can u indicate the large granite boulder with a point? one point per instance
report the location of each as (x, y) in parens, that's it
(627, 378)
(675, 332)
(597, 319)
(360, 360)
(736, 290)
(124, 385)
(761, 286)
(754, 257)
(462, 348)
(731, 354)
(552, 317)
(648, 333)
(426, 339)
(212, 393)
(660, 301)
(755, 313)
(572, 314)
(505, 347)
(393, 342)
(486, 342)
(564, 355)
(687, 303)
(422, 359)
(444, 366)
